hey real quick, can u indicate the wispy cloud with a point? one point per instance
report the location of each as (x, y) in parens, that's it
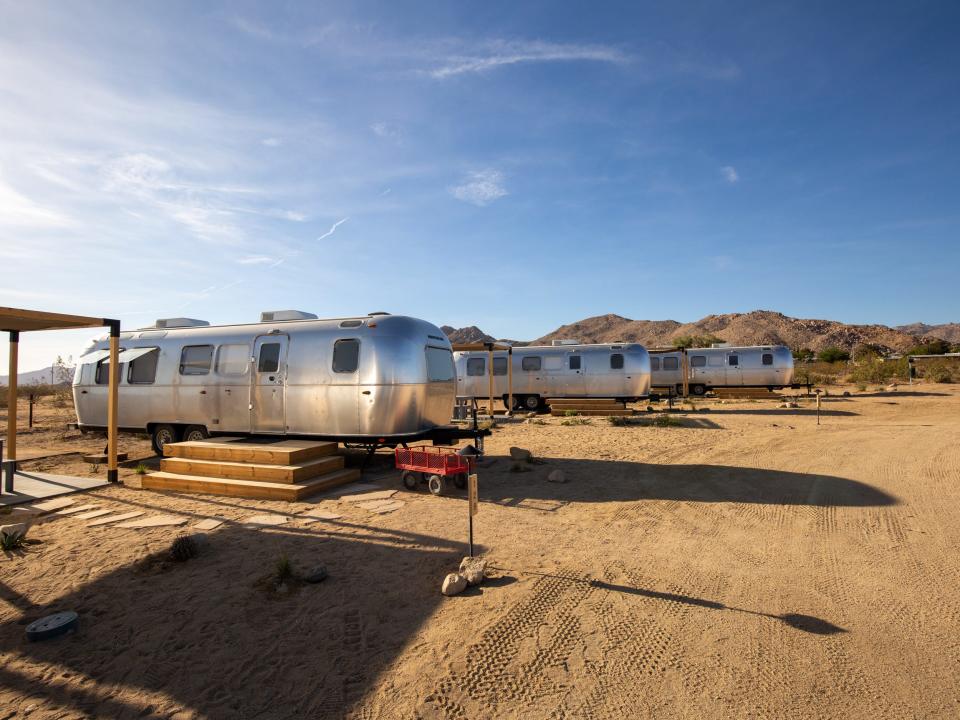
(255, 260)
(480, 188)
(19, 211)
(730, 174)
(333, 229)
(502, 53)
(272, 142)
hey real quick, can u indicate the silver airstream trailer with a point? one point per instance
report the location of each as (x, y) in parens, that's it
(369, 379)
(769, 366)
(556, 371)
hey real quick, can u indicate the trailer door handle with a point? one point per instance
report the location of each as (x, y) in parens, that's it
(83, 392)
(203, 392)
(365, 392)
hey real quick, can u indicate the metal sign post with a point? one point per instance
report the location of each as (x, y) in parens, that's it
(474, 504)
(818, 408)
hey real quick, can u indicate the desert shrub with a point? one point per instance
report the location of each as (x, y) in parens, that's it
(832, 355)
(667, 421)
(803, 354)
(13, 541)
(575, 421)
(142, 469)
(818, 373)
(692, 341)
(939, 372)
(618, 420)
(570, 413)
(878, 371)
(934, 347)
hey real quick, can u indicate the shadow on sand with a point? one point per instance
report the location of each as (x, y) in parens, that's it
(620, 481)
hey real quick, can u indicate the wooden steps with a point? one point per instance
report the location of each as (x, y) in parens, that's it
(283, 470)
(746, 394)
(587, 406)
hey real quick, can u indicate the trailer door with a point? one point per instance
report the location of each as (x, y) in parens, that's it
(734, 370)
(267, 412)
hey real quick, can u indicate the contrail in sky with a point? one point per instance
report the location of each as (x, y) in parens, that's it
(333, 228)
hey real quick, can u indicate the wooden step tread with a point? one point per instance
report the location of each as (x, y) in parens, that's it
(253, 471)
(593, 412)
(248, 488)
(283, 452)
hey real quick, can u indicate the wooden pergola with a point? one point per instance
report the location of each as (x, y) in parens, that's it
(490, 347)
(15, 321)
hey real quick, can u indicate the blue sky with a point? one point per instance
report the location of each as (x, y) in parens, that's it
(511, 165)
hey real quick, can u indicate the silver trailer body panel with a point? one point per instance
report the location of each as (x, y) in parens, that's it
(376, 376)
(556, 371)
(756, 366)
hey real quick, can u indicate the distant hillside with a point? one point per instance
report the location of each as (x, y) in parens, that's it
(760, 327)
(41, 377)
(470, 334)
(948, 331)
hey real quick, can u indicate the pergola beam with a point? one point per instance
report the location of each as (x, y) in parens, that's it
(16, 320)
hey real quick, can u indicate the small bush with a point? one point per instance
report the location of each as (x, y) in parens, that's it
(938, 372)
(283, 570)
(619, 420)
(667, 421)
(142, 469)
(14, 541)
(832, 355)
(570, 413)
(575, 421)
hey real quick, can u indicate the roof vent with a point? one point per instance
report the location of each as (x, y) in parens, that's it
(277, 315)
(180, 322)
(378, 312)
(555, 343)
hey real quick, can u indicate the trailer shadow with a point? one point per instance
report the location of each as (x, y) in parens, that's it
(801, 412)
(202, 636)
(595, 481)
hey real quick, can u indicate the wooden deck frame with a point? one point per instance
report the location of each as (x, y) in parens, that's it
(490, 347)
(15, 321)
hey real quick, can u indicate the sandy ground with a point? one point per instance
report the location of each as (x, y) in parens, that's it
(748, 565)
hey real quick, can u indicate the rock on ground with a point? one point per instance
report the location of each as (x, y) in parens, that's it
(557, 476)
(454, 584)
(14, 530)
(474, 569)
(520, 455)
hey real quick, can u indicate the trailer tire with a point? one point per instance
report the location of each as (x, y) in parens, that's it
(435, 484)
(531, 402)
(160, 435)
(698, 389)
(192, 433)
(410, 479)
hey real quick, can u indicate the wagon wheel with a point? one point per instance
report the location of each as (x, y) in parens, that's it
(435, 483)
(410, 479)
(460, 480)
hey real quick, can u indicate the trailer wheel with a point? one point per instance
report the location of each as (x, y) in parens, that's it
(161, 435)
(698, 389)
(531, 402)
(435, 483)
(192, 433)
(410, 480)
(460, 480)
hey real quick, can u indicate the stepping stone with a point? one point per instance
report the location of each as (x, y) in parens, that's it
(93, 514)
(154, 521)
(116, 518)
(208, 524)
(378, 495)
(265, 520)
(52, 504)
(78, 508)
(375, 505)
(357, 487)
(388, 507)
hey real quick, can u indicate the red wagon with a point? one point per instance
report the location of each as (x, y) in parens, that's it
(433, 466)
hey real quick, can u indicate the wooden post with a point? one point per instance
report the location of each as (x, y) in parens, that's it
(490, 376)
(113, 404)
(12, 396)
(818, 408)
(473, 505)
(685, 369)
(510, 377)
(30, 414)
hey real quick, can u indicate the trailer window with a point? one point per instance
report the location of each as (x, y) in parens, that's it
(698, 361)
(499, 366)
(616, 361)
(553, 362)
(574, 362)
(531, 363)
(767, 359)
(671, 363)
(196, 359)
(655, 363)
(102, 375)
(439, 365)
(346, 356)
(233, 359)
(269, 360)
(143, 370)
(734, 360)
(715, 361)
(476, 366)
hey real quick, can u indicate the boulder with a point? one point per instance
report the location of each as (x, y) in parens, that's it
(520, 455)
(474, 569)
(557, 476)
(453, 584)
(14, 530)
